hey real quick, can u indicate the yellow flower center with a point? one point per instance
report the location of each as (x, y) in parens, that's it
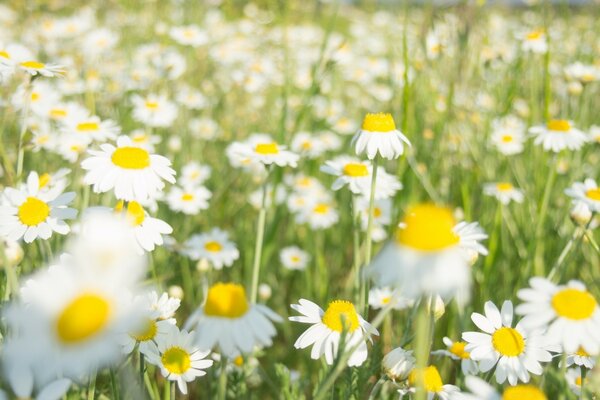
(88, 126)
(4, 54)
(239, 361)
(523, 392)
(458, 349)
(593, 194)
(176, 360)
(582, 353)
(58, 113)
(508, 342)
(559, 125)
(341, 314)
(213, 246)
(355, 170)
(295, 259)
(377, 212)
(386, 300)
(307, 145)
(33, 64)
(507, 138)
(147, 333)
(83, 318)
(266, 148)
(135, 212)
(44, 180)
(504, 186)
(428, 227)
(226, 300)
(321, 208)
(35, 96)
(141, 138)
(574, 304)
(535, 35)
(187, 197)
(428, 378)
(131, 158)
(578, 381)
(378, 122)
(152, 105)
(33, 211)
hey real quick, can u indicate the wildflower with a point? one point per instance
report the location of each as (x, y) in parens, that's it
(558, 135)
(188, 199)
(456, 351)
(398, 363)
(213, 246)
(378, 135)
(504, 192)
(430, 379)
(481, 390)
(148, 231)
(586, 192)
(294, 258)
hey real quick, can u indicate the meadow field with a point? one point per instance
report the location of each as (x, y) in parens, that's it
(279, 199)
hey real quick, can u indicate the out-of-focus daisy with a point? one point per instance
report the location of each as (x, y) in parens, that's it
(349, 171)
(190, 35)
(429, 254)
(318, 215)
(558, 135)
(179, 358)
(149, 330)
(194, 174)
(188, 200)
(382, 297)
(504, 192)
(569, 313)
(326, 329)
(29, 213)
(268, 153)
(574, 379)
(53, 184)
(307, 145)
(587, 192)
(294, 258)
(148, 231)
(142, 138)
(378, 135)
(398, 363)
(91, 127)
(535, 41)
(456, 351)
(581, 358)
(227, 321)
(131, 171)
(584, 73)
(213, 246)
(34, 68)
(481, 390)
(513, 351)
(154, 110)
(595, 133)
(430, 380)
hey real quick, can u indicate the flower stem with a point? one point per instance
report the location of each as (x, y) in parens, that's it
(369, 243)
(24, 112)
(222, 394)
(356, 245)
(538, 260)
(423, 336)
(260, 233)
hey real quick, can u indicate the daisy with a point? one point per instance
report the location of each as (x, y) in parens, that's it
(575, 380)
(131, 171)
(381, 297)
(304, 184)
(154, 110)
(178, 357)
(319, 215)
(147, 332)
(194, 174)
(594, 134)
(481, 390)
(378, 135)
(307, 145)
(535, 42)
(213, 246)
(91, 127)
(188, 200)
(557, 135)
(429, 378)
(267, 153)
(569, 313)
(349, 171)
(429, 255)
(326, 329)
(457, 352)
(52, 185)
(227, 321)
(34, 68)
(581, 359)
(508, 138)
(144, 139)
(165, 304)
(398, 363)
(587, 192)
(148, 231)
(382, 211)
(504, 192)
(513, 351)
(29, 213)
(294, 258)
(190, 35)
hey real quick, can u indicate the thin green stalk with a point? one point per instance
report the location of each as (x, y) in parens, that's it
(260, 233)
(25, 111)
(543, 212)
(583, 373)
(142, 370)
(377, 388)
(91, 392)
(565, 252)
(222, 393)
(113, 384)
(423, 341)
(369, 242)
(356, 245)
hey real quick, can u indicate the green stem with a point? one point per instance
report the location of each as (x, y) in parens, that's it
(222, 393)
(25, 111)
(356, 245)
(113, 384)
(142, 370)
(260, 233)
(539, 230)
(423, 343)
(91, 393)
(565, 252)
(369, 242)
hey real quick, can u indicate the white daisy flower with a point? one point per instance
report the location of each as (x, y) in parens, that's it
(34, 68)
(581, 358)
(194, 174)
(318, 215)
(148, 231)
(557, 135)
(457, 352)
(188, 200)
(148, 331)
(213, 246)
(90, 127)
(594, 134)
(569, 314)
(267, 153)
(382, 211)
(481, 390)
(29, 213)
(430, 379)
(228, 322)
(189, 35)
(303, 183)
(164, 304)
(398, 363)
(349, 171)
(378, 135)
(179, 358)
(54, 184)
(587, 192)
(513, 351)
(154, 110)
(294, 258)
(144, 139)
(504, 192)
(326, 329)
(131, 171)
(307, 145)
(535, 42)
(381, 297)
(574, 379)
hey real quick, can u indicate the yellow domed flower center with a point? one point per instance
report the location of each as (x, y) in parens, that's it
(135, 212)
(523, 392)
(428, 378)
(239, 361)
(321, 208)
(33, 64)
(355, 170)
(33, 211)
(88, 126)
(226, 300)
(176, 360)
(44, 180)
(507, 138)
(593, 194)
(4, 54)
(341, 314)
(35, 96)
(187, 197)
(83, 318)
(504, 186)
(131, 158)
(458, 349)
(58, 113)
(578, 381)
(378, 122)
(213, 246)
(377, 212)
(295, 259)
(148, 331)
(140, 138)
(152, 105)
(582, 353)
(574, 304)
(428, 227)
(535, 35)
(559, 125)
(266, 148)
(508, 342)
(307, 145)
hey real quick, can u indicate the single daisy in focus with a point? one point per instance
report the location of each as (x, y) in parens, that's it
(382, 297)
(378, 135)
(294, 258)
(504, 192)
(188, 200)
(131, 171)
(213, 246)
(568, 313)
(457, 352)
(513, 351)
(398, 363)
(179, 358)
(227, 321)
(326, 329)
(557, 135)
(29, 213)
(38, 68)
(587, 192)
(148, 231)
(481, 390)
(429, 378)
